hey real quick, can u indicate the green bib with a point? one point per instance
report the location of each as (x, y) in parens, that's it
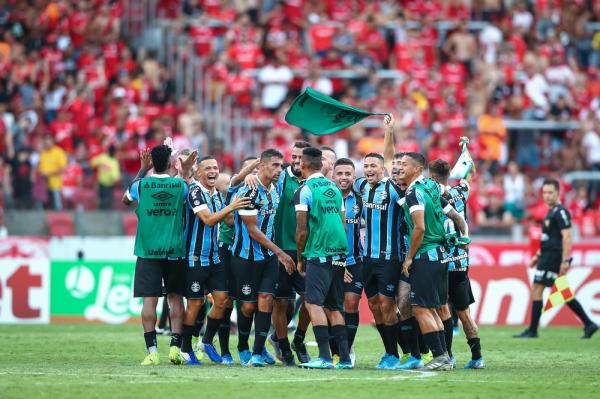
(160, 213)
(326, 233)
(225, 233)
(285, 218)
(435, 233)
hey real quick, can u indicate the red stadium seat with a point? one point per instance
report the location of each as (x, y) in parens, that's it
(60, 224)
(130, 223)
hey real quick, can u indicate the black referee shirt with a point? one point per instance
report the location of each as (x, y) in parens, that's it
(557, 219)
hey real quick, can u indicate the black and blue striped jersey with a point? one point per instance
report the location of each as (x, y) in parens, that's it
(202, 240)
(353, 203)
(382, 205)
(263, 205)
(457, 196)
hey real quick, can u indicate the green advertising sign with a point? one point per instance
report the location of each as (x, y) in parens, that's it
(93, 291)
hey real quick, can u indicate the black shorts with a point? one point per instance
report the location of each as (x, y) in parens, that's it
(254, 277)
(151, 274)
(289, 284)
(325, 285)
(428, 283)
(357, 285)
(201, 280)
(380, 277)
(459, 290)
(548, 268)
(225, 256)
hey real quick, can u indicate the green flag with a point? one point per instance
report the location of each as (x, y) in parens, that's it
(321, 114)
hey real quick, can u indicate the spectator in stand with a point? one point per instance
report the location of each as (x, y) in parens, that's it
(494, 214)
(492, 137)
(275, 78)
(109, 174)
(22, 179)
(514, 191)
(317, 81)
(72, 182)
(461, 46)
(3, 229)
(53, 161)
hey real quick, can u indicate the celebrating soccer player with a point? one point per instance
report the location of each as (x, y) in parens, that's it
(255, 256)
(322, 241)
(553, 260)
(205, 272)
(159, 243)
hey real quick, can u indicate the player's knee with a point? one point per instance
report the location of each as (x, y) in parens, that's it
(373, 304)
(248, 308)
(265, 302)
(351, 304)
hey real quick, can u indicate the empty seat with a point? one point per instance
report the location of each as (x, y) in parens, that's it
(130, 223)
(60, 224)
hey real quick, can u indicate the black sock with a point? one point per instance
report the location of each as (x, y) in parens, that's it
(333, 345)
(262, 323)
(199, 321)
(150, 338)
(576, 307)
(415, 334)
(212, 326)
(284, 345)
(322, 337)
(224, 328)
(433, 342)
(424, 348)
(391, 339)
(448, 334)
(352, 320)
(475, 346)
(341, 338)
(299, 336)
(403, 335)
(536, 312)
(380, 329)
(442, 335)
(244, 327)
(186, 338)
(176, 340)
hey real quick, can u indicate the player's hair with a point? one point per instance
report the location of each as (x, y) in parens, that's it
(161, 154)
(417, 157)
(206, 158)
(440, 168)
(301, 144)
(375, 155)
(552, 182)
(249, 159)
(270, 153)
(326, 148)
(344, 161)
(312, 158)
(399, 155)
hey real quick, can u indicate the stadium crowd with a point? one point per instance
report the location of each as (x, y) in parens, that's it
(79, 102)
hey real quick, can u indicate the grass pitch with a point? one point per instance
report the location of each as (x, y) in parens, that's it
(87, 361)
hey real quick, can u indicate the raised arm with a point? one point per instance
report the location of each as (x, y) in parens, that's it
(389, 146)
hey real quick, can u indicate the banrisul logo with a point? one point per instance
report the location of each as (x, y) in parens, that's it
(162, 196)
(330, 193)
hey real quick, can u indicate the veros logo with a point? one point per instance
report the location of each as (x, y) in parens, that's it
(162, 196)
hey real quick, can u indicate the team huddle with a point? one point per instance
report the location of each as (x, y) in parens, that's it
(276, 231)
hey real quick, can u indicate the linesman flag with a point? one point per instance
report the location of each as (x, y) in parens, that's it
(559, 293)
(321, 114)
(464, 164)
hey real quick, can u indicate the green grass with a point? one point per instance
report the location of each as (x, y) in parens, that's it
(88, 361)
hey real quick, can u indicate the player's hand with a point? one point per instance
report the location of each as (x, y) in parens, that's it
(564, 268)
(388, 121)
(406, 267)
(300, 267)
(239, 203)
(146, 159)
(251, 181)
(188, 162)
(347, 276)
(287, 262)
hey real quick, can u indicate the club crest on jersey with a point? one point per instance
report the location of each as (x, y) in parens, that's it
(383, 195)
(547, 222)
(195, 287)
(355, 209)
(196, 202)
(246, 290)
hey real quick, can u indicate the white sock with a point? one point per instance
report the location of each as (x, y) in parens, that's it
(152, 349)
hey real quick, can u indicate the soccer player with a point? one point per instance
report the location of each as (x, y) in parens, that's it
(322, 241)
(553, 260)
(459, 285)
(254, 260)
(205, 272)
(329, 159)
(229, 187)
(382, 201)
(424, 212)
(159, 242)
(344, 177)
(289, 284)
